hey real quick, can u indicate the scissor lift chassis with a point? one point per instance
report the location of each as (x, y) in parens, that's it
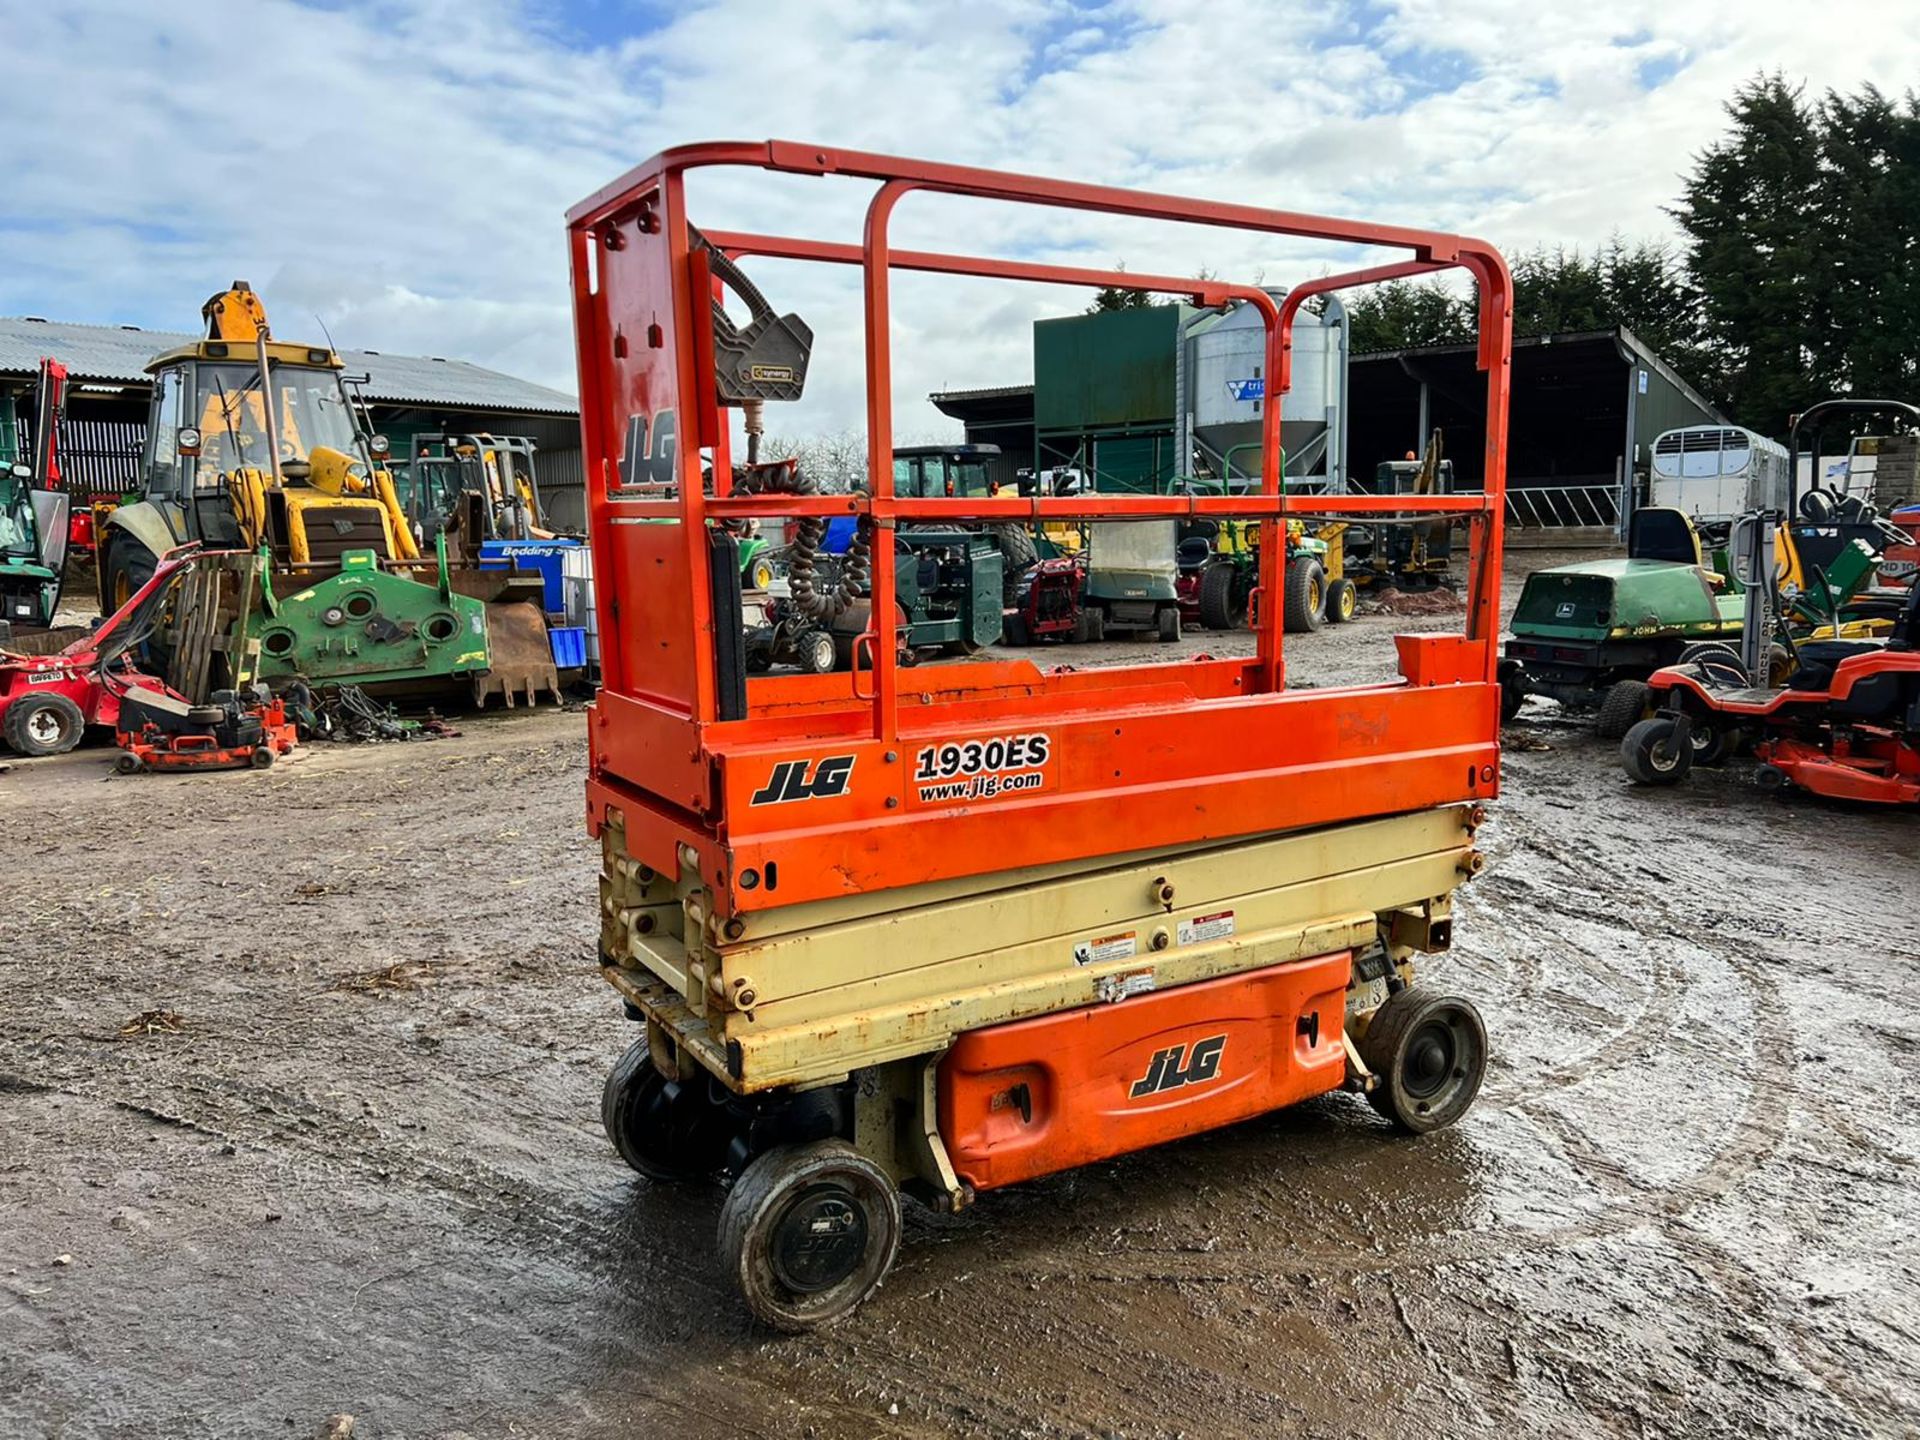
(947, 929)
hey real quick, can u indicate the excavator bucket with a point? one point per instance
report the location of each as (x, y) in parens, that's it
(519, 652)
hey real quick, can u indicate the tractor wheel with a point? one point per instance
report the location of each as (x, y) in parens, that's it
(1343, 598)
(1649, 755)
(1018, 554)
(1306, 597)
(1513, 690)
(1166, 624)
(1223, 606)
(1624, 705)
(759, 573)
(1017, 631)
(1430, 1054)
(44, 725)
(808, 1232)
(1719, 661)
(663, 1128)
(815, 652)
(128, 565)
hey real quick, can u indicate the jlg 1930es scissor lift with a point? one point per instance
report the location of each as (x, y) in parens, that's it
(948, 928)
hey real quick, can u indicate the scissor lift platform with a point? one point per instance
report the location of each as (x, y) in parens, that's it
(947, 928)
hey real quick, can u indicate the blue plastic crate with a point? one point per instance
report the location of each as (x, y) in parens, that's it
(569, 647)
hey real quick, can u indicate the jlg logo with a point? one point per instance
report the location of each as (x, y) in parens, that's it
(1164, 1071)
(789, 781)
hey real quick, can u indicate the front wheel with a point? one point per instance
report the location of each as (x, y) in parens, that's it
(1166, 624)
(1343, 599)
(816, 653)
(45, 724)
(1429, 1054)
(1223, 601)
(1652, 755)
(1624, 704)
(808, 1232)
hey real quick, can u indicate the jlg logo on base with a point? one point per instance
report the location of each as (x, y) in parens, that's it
(1165, 1072)
(789, 781)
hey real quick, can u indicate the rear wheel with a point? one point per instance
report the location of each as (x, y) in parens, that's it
(663, 1128)
(1429, 1052)
(808, 1232)
(1306, 597)
(44, 725)
(1166, 624)
(1222, 606)
(1343, 598)
(1017, 631)
(1513, 691)
(1096, 620)
(1651, 754)
(1624, 706)
(128, 566)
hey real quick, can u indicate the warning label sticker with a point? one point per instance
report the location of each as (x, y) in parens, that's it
(1115, 988)
(1105, 949)
(1201, 928)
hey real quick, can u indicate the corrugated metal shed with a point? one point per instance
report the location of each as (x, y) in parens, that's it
(119, 353)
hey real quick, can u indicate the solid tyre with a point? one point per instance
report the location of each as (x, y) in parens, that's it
(1221, 608)
(1306, 597)
(1649, 755)
(1429, 1054)
(39, 725)
(663, 1128)
(1624, 704)
(808, 1232)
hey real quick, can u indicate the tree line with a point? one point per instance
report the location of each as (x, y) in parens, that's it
(1799, 277)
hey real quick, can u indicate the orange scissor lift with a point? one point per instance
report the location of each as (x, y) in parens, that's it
(945, 928)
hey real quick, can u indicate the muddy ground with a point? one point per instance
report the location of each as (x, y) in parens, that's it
(367, 1174)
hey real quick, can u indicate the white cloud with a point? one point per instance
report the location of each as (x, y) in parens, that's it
(401, 168)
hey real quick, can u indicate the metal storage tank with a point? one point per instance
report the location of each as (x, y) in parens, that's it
(1221, 380)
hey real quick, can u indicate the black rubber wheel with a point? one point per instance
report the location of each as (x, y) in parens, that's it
(127, 566)
(1018, 554)
(1624, 706)
(1166, 624)
(1650, 756)
(665, 1129)
(961, 648)
(1223, 604)
(262, 758)
(46, 724)
(1430, 1053)
(1017, 632)
(1513, 691)
(815, 652)
(1096, 619)
(808, 1232)
(1306, 597)
(1343, 598)
(128, 763)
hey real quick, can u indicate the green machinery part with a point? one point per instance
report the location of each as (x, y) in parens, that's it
(364, 626)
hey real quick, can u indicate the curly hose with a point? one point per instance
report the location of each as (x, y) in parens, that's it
(803, 563)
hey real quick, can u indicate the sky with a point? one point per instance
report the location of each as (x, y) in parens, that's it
(400, 169)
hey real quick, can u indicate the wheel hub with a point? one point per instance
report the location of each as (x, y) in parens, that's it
(820, 1240)
(1429, 1060)
(44, 727)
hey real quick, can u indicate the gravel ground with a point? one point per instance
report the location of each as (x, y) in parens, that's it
(300, 1074)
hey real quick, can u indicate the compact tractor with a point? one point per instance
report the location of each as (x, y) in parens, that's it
(252, 444)
(935, 932)
(1219, 573)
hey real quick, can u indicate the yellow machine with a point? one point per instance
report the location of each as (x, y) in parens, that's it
(252, 443)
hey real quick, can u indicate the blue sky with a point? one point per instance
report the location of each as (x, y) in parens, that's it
(400, 168)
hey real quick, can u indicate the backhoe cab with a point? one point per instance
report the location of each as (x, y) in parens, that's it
(33, 508)
(252, 444)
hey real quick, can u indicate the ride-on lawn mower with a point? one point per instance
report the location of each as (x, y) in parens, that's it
(1845, 725)
(939, 931)
(1219, 571)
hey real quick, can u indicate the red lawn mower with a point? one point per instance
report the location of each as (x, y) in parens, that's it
(1846, 722)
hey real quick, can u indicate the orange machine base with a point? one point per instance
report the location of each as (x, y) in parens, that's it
(1037, 1096)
